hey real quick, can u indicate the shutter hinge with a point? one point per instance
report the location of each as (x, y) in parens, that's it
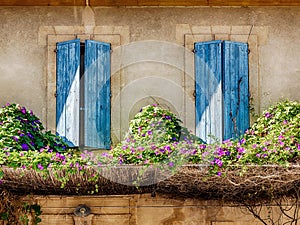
(55, 94)
(194, 50)
(55, 50)
(248, 51)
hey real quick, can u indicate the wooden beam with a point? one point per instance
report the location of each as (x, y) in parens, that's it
(150, 2)
(194, 2)
(42, 2)
(114, 2)
(254, 2)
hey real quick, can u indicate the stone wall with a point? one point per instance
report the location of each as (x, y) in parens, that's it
(143, 71)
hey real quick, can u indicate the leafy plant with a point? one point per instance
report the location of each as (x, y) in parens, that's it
(151, 119)
(156, 136)
(21, 130)
(273, 139)
(275, 136)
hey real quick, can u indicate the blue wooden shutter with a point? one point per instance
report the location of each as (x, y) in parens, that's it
(208, 74)
(97, 95)
(222, 92)
(235, 89)
(67, 90)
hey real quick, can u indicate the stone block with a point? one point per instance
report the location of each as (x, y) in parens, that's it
(241, 29)
(221, 29)
(223, 37)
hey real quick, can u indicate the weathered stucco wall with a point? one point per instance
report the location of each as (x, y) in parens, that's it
(29, 34)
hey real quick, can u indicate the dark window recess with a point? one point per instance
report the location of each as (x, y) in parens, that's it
(81, 96)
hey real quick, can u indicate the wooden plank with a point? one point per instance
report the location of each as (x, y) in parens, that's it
(195, 3)
(235, 89)
(150, 3)
(67, 91)
(103, 210)
(114, 3)
(42, 2)
(111, 219)
(171, 3)
(254, 3)
(71, 202)
(208, 74)
(97, 95)
(56, 219)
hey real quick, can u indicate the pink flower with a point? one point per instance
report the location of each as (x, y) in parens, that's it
(171, 164)
(268, 115)
(23, 110)
(40, 166)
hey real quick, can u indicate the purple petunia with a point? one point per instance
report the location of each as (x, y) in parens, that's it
(23, 110)
(30, 135)
(202, 146)
(167, 148)
(242, 141)
(168, 117)
(241, 150)
(268, 115)
(24, 147)
(220, 152)
(16, 139)
(218, 162)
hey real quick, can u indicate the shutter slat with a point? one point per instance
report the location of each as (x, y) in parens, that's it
(97, 95)
(236, 90)
(208, 68)
(67, 91)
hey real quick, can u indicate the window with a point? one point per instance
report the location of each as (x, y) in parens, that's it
(222, 90)
(83, 93)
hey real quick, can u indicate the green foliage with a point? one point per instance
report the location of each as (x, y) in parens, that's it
(273, 139)
(156, 136)
(21, 130)
(275, 136)
(154, 120)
